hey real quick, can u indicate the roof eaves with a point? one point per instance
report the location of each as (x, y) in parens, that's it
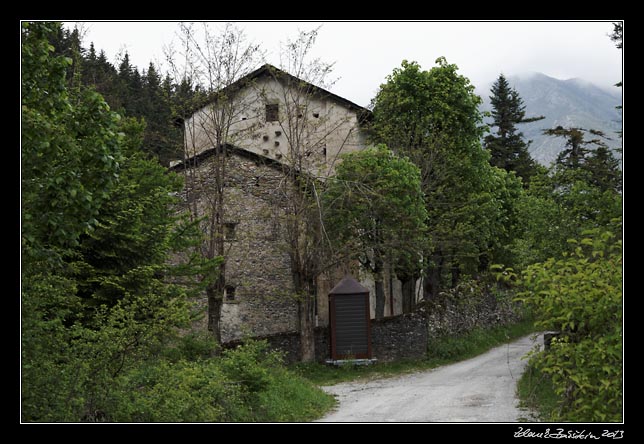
(268, 69)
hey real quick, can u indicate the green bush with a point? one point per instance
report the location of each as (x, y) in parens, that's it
(250, 365)
(177, 392)
(581, 297)
(245, 384)
(192, 346)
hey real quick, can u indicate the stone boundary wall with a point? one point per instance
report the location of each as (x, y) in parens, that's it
(407, 335)
(289, 344)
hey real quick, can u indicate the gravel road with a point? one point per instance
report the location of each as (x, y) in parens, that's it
(481, 389)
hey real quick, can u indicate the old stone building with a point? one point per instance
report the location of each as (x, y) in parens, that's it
(271, 108)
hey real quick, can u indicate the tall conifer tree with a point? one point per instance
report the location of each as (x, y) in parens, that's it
(507, 148)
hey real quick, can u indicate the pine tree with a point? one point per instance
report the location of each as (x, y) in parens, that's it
(507, 148)
(130, 88)
(604, 170)
(573, 156)
(161, 137)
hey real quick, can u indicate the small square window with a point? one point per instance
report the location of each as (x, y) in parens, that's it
(272, 112)
(229, 293)
(229, 231)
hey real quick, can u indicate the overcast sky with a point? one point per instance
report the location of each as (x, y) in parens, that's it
(366, 52)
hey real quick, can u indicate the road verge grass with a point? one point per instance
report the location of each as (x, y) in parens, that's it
(537, 395)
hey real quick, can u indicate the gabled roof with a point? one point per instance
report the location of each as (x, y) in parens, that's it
(269, 70)
(349, 285)
(194, 161)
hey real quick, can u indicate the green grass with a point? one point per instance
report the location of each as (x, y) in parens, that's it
(291, 398)
(536, 392)
(441, 351)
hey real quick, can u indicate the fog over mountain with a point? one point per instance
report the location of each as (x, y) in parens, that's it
(572, 102)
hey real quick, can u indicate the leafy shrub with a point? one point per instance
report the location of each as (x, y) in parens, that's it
(177, 392)
(250, 366)
(581, 297)
(245, 384)
(193, 346)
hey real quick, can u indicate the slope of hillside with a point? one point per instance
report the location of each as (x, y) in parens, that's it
(572, 102)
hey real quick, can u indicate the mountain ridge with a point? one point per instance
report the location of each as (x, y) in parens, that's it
(572, 102)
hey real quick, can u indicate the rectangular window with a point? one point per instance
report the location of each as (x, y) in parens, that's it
(229, 293)
(272, 112)
(229, 231)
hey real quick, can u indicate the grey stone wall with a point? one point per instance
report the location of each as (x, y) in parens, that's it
(289, 344)
(257, 262)
(398, 337)
(454, 313)
(462, 310)
(407, 336)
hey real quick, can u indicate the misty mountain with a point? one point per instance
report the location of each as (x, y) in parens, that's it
(572, 102)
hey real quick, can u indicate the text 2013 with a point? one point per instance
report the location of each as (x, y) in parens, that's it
(613, 434)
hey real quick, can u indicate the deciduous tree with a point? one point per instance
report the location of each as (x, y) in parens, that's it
(312, 151)
(214, 60)
(97, 232)
(375, 213)
(432, 117)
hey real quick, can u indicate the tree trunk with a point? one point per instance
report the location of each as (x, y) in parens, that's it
(408, 294)
(456, 274)
(306, 298)
(380, 297)
(307, 336)
(215, 291)
(215, 302)
(432, 285)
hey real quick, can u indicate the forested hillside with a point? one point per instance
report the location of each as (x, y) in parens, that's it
(147, 96)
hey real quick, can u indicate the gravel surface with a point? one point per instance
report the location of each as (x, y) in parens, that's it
(481, 389)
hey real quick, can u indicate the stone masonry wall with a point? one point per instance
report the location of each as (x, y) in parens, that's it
(289, 344)
(257, 264)
(398, 337)
(408, 335)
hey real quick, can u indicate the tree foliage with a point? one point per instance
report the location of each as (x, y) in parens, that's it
(432, 118)
(374, 211)
(617, 35)
(132, 93)
(507, 148)
(581, 191)
(580, 296)
(98, 229)
(70, 154)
